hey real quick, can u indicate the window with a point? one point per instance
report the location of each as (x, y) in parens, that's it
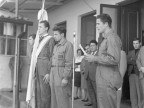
(8, 33)
(2, 45)
(11, 46)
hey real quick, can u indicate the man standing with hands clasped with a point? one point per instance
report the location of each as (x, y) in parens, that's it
(43, 67)
(108, 79)
(61, 71)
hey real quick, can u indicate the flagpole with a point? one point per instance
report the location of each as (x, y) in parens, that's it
(74, 36)
(16, 66)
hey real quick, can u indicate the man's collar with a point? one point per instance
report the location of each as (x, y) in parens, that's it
(62, 42)
(105, 35)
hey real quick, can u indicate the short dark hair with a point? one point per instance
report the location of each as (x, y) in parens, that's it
(105, 18)
(81, 51)
(46, 24)
(85, 46)
(137, 39)
(93, 41)
(33, 36)
(60, 29)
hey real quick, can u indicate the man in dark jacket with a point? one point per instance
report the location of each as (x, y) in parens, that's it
(133, 72)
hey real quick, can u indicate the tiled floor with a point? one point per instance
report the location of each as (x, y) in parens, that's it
(6, 101)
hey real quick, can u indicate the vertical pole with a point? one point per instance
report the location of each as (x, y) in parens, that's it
(73, 70)
(16, 66)
(16, 8)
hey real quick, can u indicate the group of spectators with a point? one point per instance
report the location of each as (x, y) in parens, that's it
(84, 76)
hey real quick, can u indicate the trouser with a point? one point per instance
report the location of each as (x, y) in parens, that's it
(92, 92)
(58, 98)
(142, 85)
(43, 93)
(135, 91)
(60, 95)
(106, 95)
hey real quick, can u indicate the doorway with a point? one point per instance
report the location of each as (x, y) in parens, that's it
(131, 18)
(88, 28)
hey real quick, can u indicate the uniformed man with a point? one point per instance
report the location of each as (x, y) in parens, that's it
(61, 71)
(108, 78)
(43, 67)
(31, 40)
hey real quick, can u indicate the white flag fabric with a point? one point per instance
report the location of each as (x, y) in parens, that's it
(30, 96)
(42, 14)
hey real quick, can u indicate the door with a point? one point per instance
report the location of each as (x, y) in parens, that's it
(88, 28)
(130, 27)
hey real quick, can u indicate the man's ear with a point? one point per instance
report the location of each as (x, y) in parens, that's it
(140, 44)
(62, 34)
(106, 24)
(47, 28)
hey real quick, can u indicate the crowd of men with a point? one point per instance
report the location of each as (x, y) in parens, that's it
(100, 72)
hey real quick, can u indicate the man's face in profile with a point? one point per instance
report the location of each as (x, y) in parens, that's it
(100, 26)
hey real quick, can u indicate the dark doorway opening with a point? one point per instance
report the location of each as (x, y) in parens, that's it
(131, 27)
(88, 28)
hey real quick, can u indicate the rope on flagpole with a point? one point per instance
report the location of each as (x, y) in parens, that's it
(74, 36)
(43, 4)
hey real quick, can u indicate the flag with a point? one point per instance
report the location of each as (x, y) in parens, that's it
(30, 96)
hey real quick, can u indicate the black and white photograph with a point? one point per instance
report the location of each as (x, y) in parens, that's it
(71, 54)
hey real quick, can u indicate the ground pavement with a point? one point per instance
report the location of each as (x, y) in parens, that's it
(6, 100)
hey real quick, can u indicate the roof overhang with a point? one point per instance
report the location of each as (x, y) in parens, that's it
(29, 5)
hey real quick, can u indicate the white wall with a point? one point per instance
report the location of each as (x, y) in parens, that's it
(71, 13)
(5, 73)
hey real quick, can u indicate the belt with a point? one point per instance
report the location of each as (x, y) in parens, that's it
(43, 58)
(56, 66)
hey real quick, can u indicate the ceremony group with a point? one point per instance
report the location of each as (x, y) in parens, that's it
(60, 75)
